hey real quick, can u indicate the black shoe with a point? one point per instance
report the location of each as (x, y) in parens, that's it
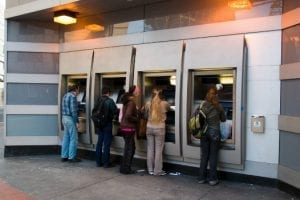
(127, 172)
(74, 160)
(99, 165)
(64, 159)
(109, 165)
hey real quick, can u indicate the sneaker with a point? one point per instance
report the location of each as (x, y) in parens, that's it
(202, 181)
(64, 159)
(151, 173)
(213, 183)
(74, 160)
(162, 173)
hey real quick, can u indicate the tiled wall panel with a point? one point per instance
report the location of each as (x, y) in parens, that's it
(31, 94)
(31, 125)
(32, 63)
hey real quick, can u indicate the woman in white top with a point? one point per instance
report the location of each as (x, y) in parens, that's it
(156, 110)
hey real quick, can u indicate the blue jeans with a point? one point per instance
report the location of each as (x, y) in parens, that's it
(70, 139)
(104, 141)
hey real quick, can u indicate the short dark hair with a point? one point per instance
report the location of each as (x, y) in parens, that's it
(72, 88)
(105, 90)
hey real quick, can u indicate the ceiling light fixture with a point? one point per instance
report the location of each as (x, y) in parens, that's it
(240, 4)
(65, 17)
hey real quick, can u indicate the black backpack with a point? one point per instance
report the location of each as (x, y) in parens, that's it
(100, 113)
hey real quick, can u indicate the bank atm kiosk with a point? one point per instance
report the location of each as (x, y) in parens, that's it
(112, 67)
(159, 66)
(75, 68)
(221, 62)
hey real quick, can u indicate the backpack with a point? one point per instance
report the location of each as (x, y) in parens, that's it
(198, 123)
(100, 114)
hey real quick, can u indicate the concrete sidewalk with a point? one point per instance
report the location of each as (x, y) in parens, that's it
(46, 177)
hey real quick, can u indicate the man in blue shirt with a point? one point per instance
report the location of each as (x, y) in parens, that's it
(70, 123)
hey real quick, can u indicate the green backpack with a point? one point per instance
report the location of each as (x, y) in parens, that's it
(198, 123)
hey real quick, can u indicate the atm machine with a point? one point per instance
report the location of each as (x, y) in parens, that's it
(221, 62)
(160, 65)
(112, 67)
(75, 68)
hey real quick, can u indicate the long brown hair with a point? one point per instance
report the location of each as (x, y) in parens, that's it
(212, 96)
(156, 115)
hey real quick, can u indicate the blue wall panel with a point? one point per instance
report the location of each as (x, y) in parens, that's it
(32, 125)
(31, 94)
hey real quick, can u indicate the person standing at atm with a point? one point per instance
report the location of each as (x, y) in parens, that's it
(70, 123)
(128, 127)
(156, 110)
(210, 142)
(109, 110)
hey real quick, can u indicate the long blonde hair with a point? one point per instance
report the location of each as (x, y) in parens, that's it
(156, 114)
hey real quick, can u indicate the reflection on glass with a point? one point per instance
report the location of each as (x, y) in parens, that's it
(225, 86)
(166, 83)
(116, 85)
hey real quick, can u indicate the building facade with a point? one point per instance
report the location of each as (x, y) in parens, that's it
(252, 53)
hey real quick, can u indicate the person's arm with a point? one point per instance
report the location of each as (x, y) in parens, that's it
(113, 109)
(222, 113)
(74, 109)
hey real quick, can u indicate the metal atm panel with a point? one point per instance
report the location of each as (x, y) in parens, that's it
(156, 64)
(112, 67)
(207, 60)
(75, 68)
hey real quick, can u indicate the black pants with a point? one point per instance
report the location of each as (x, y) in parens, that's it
(128, 154)
(210, 145)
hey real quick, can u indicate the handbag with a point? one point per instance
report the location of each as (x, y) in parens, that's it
(143, 124)
(142, 129)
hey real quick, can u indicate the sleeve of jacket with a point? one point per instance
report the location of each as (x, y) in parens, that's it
(222, 113)
(113, 109)
(74, 109)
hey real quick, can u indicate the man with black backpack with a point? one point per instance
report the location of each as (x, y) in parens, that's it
(103, 113)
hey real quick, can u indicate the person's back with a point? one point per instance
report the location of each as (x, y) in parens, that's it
(214, 115)
(128, 127)
(163, 109)
(210, 141)
(157, 109)
(107, 110)
(70, 123)
(129, 112)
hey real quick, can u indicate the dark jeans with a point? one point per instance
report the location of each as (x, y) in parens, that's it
(103, 145)
(128, 154)
(210, 145)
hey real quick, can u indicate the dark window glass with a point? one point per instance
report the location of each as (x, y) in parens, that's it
(291, 45)
(39, 32)
(32, 63)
